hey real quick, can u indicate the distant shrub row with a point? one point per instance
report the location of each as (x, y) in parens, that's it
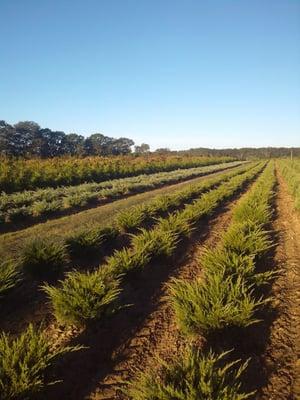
(20, 174)
(291, 172)
(20, 206)
(46, 259)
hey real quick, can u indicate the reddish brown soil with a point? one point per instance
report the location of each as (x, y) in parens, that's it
(282, 357)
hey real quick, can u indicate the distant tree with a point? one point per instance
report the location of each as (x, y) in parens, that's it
(74, 144)
(27, 139)
(6, 139)
(98, 145)
(163, 150)
(143, 148)
(54, 143)
(121, 146)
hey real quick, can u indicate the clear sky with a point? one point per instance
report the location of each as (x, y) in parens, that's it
(178, 74)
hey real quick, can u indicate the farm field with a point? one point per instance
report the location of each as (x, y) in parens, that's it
(29, 207)
(183, 283)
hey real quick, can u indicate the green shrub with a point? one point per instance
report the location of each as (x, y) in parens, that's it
(213, 304)
(126, 260)
(44, 207)
(76, 200)
(192, 376)
(155, 242)
(10, 276)
(247, 238)
(43, 259)
(234, 264)
(178, 224)
(23, 363)
(90, 241)
(129, 220)
(84, 297)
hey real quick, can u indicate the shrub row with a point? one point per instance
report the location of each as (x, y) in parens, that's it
(46, 259)
(24, 361)
(161, 241)
(21, 174)
(20, 206)
(291, 173)
(226, 296)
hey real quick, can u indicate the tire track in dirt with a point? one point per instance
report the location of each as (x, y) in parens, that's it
(159, 334)
(282, 357)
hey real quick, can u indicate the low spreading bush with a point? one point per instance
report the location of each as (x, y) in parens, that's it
(43, 259)
(83, 297)
(89, 242)
(23, 363)
(129, 220)
(213, 304)
(10, 276)
(192, 376)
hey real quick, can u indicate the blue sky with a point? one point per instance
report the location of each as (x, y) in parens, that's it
(178, 74)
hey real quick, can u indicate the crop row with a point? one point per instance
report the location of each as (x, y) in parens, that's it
(227, 296)
(20, 174)
(85, 297)
(291, 172)
(43, 259)
(74, 304)
(21, 206)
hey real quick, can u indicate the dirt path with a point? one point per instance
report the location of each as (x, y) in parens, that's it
(282, 357)
(158, 335)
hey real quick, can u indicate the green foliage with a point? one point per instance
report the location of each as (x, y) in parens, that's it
(23, 205)
(43, 259)
(192, 376)
(225, 296)
(291, 173)
(44, 207)
(23, 363)
(129, 220)
(213, 304)
(19, 174)
(90, 241)
(10, 276)
(83, 297)
(246, 238)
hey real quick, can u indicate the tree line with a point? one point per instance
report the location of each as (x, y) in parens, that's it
(246, 153)
(28, 139)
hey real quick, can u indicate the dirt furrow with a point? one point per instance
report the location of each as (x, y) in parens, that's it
(282, 358)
